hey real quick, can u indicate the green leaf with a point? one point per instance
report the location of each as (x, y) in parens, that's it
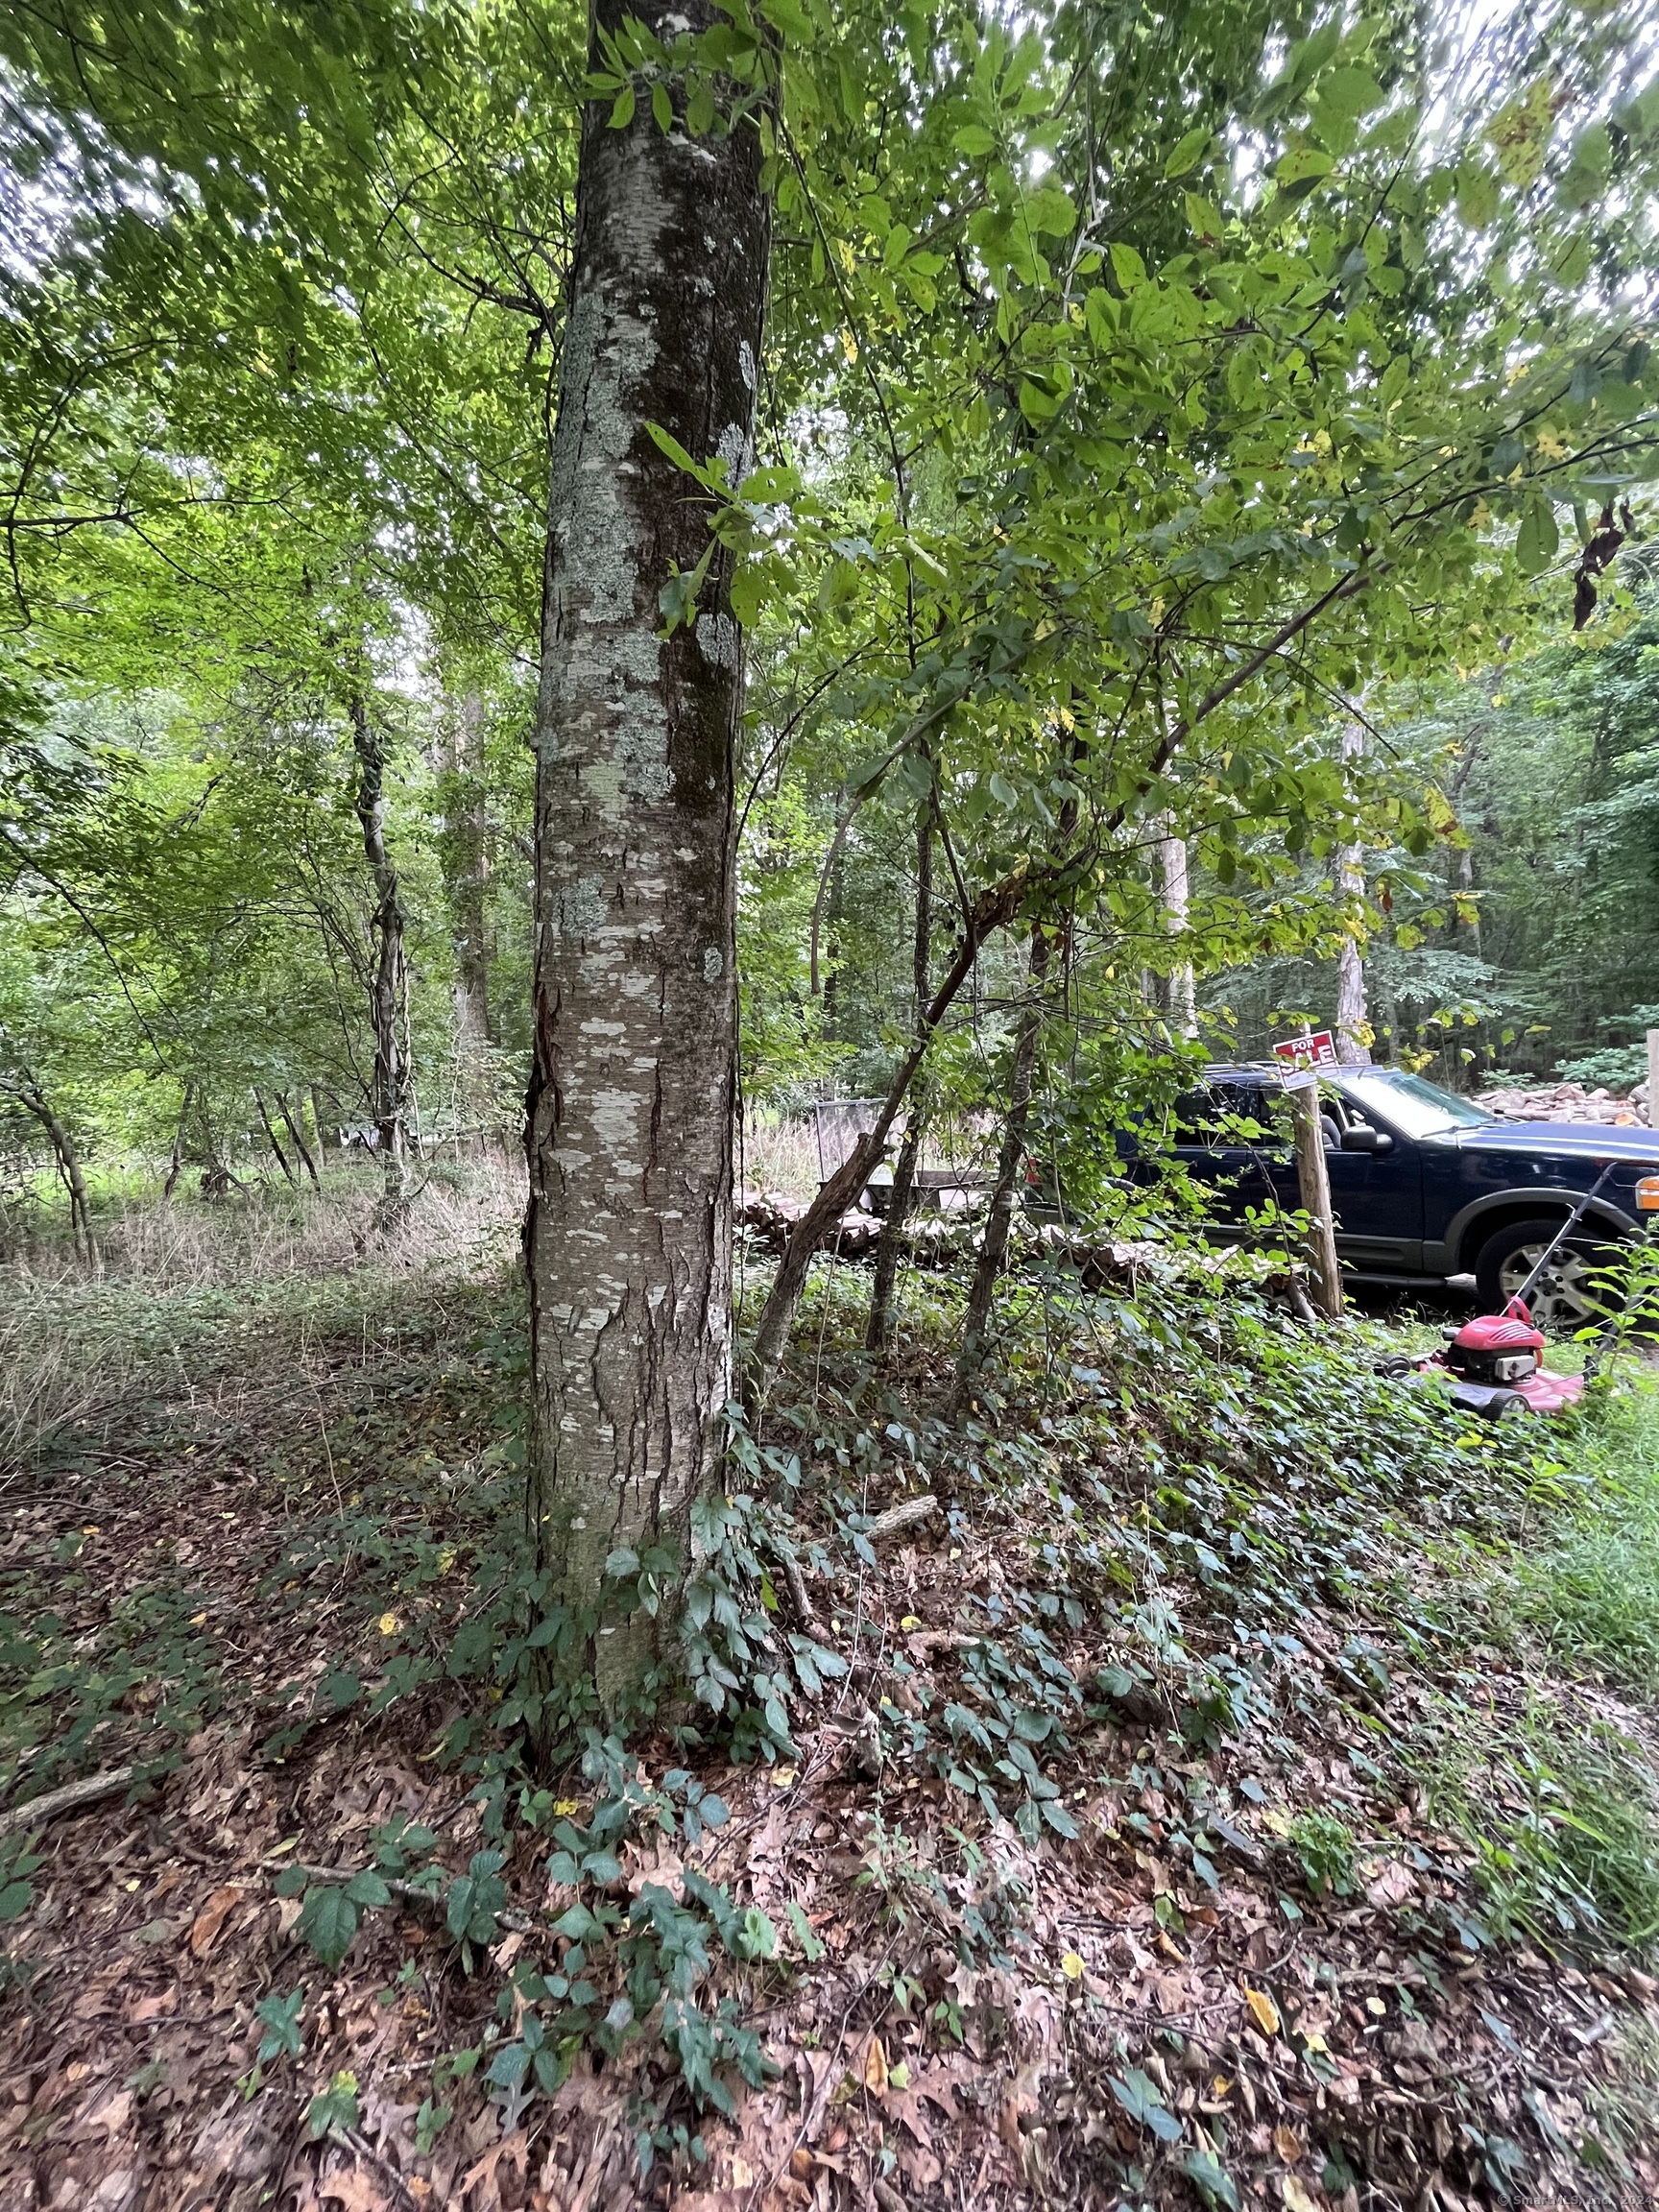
(1127, 266)
(367, 1888)
(1305, 165)
(973, 138)
(335, 2106)
(16, 1899)
(1349, 93)
(1537, 540)
(1213, 2183)
(1189, 152)
(622, 114)
(280, 2019)
(327, 1922)
(663, 108)
(1139, 2097)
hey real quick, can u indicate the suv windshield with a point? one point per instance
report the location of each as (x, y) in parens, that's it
(1416, 1108)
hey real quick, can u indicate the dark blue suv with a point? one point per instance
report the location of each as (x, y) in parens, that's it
(1425, 1186)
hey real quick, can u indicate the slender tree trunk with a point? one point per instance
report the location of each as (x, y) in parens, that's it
(176, 1164)
(270, 1139)
(1005, 1197)
(993, 910)
(27, 1088)
(880, 1326)
(389, 984)
(1172, 870)
(295, 1124)
(465, 852)
(1353, 1015)
(628, 1238)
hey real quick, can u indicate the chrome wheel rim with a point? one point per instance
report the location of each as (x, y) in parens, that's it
(1563, 1298)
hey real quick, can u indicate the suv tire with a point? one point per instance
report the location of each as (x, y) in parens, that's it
(1563, 1299)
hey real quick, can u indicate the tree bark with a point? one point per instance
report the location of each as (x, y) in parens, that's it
(1353, 1013)
(27, 1088)
(1172, 873)
(628, 1236)
(1010, 1160)
(1315, 1184)
(270, 1139)
(175, 1163)
(388, 985)
(295, 1124)
(880, 1326)
(465, 852)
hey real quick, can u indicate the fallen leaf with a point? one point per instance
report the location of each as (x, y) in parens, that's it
(1394, 1885)
(800, 2163)
(1072, 1966)
(1296, 2198)
(1289, 2144)
(352, 2187)
(742, 2172)
(205, 1929)
(1262, 2009)
(389, 1623)
(875, 2068)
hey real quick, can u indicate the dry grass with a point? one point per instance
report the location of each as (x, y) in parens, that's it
(75, 1339)
(777, 1152)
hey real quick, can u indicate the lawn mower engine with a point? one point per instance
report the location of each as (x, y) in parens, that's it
(1497, 1362)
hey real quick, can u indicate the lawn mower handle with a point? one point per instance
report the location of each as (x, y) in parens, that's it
(1561, 1235)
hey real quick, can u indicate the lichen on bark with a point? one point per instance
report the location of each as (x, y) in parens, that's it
(628, 1232)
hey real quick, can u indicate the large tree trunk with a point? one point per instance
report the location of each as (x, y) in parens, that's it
(628, 1238)
(465, 852)
(387, 989)
(880, 1324)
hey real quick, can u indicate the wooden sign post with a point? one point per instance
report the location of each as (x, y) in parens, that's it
(1303, 1093)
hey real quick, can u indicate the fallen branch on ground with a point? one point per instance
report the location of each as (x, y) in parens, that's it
(69, 1800)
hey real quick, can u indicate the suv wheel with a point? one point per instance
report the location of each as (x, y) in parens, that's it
(1565, 1298)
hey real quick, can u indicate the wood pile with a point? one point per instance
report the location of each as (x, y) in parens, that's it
(1567, 1102)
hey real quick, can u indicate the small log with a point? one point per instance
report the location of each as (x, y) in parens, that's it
(904, 1515)
(69, 1800)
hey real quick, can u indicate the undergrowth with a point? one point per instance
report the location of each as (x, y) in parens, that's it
(1181, 1490)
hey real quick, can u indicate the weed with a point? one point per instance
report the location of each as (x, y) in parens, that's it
(1323, 1847)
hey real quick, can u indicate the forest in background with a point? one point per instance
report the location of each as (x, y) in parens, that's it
(575, 581)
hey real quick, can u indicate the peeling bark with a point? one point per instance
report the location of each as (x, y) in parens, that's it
(628, 1238)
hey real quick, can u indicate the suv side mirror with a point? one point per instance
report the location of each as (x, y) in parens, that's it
(1368, 1140)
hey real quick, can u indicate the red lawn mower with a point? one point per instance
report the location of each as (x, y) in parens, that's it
(1495, 1363)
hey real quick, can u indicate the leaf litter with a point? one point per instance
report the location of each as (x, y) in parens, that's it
(1246, 1957)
